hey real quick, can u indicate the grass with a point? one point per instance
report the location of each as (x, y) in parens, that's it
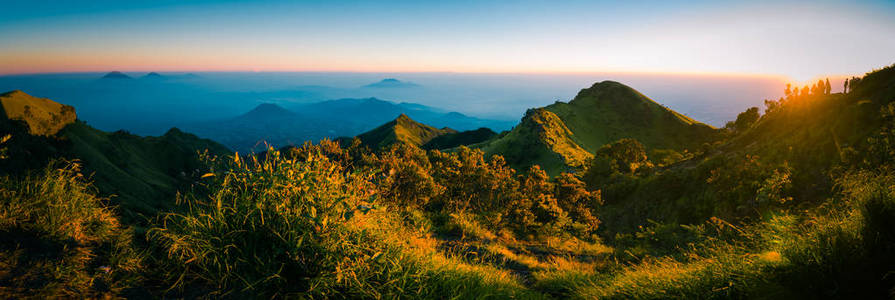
(839, 250)
(57, 239)
(302, 227)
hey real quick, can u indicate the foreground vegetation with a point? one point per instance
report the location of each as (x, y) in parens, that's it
(796, 203)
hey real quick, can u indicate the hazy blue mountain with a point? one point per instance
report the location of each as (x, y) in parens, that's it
(154, 76)
(278, 126)
(371, 112)
(116, 75)
(391, 83)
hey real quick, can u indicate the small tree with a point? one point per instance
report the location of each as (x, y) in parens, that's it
(845, 86)
(829, 88)
(746, 119)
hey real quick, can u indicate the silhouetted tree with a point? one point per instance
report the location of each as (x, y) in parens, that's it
(828, 87)
(770, 106)
(788, 91)
(746, 119)
(805, 91)
(854, 83)
(845, 86)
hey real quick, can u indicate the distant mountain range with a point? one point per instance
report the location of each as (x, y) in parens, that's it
(278, 126)
(148, 76)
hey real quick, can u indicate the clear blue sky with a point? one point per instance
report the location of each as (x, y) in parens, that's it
(797, 39)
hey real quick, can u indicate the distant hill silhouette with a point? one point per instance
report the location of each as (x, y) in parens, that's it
(267, 111)
(371, 112)
(391, 83)
(154, 75)
(116, 75)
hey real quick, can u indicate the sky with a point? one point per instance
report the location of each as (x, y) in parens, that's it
(798, 40)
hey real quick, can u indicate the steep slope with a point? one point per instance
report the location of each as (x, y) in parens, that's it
(462, 138)
(609, 111)
(42, 116)
(562, 136)
(32, 125)
(540, 139)
(401, 130)
(791, 157)
(141, 173)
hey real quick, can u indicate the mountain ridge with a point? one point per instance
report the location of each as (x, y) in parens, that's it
(402, 129)
(563, 136)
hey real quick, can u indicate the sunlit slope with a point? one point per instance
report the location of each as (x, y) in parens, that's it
(43, 116)
(141, 174)
(609, 111)
(540, 139)
(562, 136)
(401, 130)
(803, 143)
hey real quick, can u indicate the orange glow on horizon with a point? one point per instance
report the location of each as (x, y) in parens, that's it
(40, 63)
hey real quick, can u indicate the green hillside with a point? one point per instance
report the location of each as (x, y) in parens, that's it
(562, 136)
(540, 139)
(401, 130)
(803, 142)
(609, 111)
(43, 116)
(453, 140)
(143, 173)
